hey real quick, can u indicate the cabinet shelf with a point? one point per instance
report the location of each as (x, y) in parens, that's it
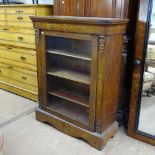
(69, 53)
(71, 96)
(68, 109)
(70, 75)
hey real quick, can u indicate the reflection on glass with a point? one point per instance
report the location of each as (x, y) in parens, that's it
(147, 108)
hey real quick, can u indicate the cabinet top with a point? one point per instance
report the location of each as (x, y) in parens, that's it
(82, 20)
(25, 5)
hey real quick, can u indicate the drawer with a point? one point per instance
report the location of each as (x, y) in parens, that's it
(17, 49)
(18, 76)
(25, 67)
(19, 44)
(21, 57)
(18, 69)
(2, 10)
(15, 30)
(18, 37)
(18, 84)
(2, 17)
(19, 18)
(21, 10)
(20, 24)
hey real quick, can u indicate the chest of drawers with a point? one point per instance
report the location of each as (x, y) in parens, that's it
(18, 72)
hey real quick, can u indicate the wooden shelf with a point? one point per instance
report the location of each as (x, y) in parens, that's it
(69, 109)
(69, 53)
(70, 75)
(71, 96)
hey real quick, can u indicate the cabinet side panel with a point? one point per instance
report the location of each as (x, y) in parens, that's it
(108, 87)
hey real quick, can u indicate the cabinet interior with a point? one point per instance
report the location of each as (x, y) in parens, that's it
(68, 69)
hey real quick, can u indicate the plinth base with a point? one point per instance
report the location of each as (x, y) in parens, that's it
(96, 140)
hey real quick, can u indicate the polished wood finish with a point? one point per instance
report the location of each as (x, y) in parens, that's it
(75, 104)
(69, 7)
(18, 71)
(136, 78)
(107, 8)
(91, 8)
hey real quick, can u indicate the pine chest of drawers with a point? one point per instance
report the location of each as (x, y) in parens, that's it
(18, 71)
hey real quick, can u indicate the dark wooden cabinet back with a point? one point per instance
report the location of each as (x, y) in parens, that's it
(101, 8)
(69, 7)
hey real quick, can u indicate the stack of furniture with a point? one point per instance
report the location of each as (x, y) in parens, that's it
(78, 76)
(18, 71)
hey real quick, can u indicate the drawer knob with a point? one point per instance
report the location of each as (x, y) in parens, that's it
(9, 48)
(20, 38)
(24, 78)
(20, 18)
(10, 67)
(22, 58)
(19, 11)
(5, 29)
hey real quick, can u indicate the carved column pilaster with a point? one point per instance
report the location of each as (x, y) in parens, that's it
(102, 40)
(38, 34)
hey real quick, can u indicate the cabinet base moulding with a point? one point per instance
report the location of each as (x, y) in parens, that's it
(96, 140)
(18, 91)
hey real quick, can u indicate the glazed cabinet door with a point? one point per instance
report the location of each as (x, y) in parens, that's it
(70, 69)
(69, 7)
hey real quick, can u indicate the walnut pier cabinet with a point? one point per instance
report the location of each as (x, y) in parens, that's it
(79, 66)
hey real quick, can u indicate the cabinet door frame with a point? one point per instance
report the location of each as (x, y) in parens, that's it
(93, 77)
